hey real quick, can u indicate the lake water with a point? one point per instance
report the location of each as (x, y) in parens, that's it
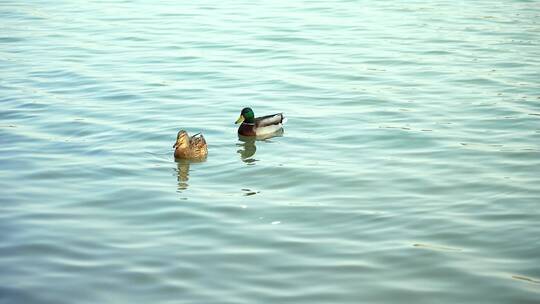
(408, 170)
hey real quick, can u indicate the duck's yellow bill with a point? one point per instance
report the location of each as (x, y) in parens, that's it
(240, 119)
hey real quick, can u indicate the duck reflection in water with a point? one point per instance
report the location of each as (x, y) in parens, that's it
(183, 167)
(182, 173)
(247, 148)
(247, 145)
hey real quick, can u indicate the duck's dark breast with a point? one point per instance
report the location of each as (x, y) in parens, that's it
(246, 130)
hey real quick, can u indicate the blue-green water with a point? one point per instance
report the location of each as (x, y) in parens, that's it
(408, 170)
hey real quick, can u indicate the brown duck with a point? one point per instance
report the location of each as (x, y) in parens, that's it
(193, 147)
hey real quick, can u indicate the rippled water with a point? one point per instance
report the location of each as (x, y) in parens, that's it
(408, 170)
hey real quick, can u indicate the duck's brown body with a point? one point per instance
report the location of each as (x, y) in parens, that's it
(186, 147)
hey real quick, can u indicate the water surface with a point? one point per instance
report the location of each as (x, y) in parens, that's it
(407, 171)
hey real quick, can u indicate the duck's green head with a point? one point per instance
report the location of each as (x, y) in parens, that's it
(246, 115)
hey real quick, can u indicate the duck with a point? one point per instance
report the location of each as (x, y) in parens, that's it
(193, 147)
(260, 126)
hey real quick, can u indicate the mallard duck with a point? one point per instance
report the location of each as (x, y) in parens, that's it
(252, 126)
(193, 147)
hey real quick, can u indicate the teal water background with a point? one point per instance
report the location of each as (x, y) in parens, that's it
(409, 169)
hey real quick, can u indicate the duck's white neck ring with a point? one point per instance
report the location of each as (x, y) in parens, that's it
(248, 123)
